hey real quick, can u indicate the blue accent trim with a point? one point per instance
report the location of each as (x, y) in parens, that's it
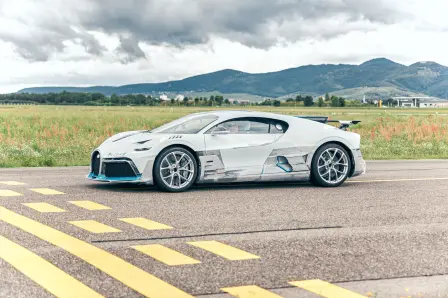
(280, 165)
(104, 178)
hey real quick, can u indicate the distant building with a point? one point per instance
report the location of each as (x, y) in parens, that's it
(421, 102)
(242, 102)
(164, 97)
(434, 104)
(179, 97)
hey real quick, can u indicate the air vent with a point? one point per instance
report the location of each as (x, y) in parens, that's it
(95, 163)
(175, 137)
(142, 142)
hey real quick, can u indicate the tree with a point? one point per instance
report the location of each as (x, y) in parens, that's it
(299, 98)
(115, 100)
(334, 101)
(327, 97)
(150, 101)
(219, 99)
(276, 103)
(99, 97)
(320, 102)
(390, 101)
(226, 101)
(308, 101)
(140, 99)
(341, 102)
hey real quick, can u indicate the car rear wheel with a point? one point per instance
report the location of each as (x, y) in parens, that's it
(175, 170)
(330, 166)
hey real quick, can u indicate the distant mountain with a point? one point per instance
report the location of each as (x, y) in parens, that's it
(388, 77)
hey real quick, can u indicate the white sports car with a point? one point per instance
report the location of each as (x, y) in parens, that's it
(231, 146)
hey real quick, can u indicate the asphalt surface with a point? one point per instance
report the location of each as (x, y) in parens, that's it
(384, 234)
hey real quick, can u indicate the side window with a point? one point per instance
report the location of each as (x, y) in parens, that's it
(259, 127)
(245, 126)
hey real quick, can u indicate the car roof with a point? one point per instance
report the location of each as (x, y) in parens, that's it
(228, 114)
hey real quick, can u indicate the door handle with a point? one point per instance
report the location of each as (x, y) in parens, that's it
(260, 144)
(252, 145)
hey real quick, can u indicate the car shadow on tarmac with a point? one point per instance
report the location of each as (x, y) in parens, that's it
(124, 187)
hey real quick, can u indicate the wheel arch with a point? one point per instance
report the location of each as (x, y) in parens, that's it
(343, 145)
(186, 147)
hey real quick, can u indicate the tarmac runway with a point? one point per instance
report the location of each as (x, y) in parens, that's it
(384, 234)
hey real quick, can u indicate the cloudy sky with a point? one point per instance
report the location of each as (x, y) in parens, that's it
(116, 42)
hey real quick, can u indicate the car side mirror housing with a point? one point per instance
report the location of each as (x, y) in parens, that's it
(220, 132)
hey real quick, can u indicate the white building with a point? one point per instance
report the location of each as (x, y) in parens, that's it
(163, 97)
(179, 97)
(434, 104)
(421, 102)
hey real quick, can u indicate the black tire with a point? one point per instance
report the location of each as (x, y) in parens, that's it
(317, 179)
(160, 183)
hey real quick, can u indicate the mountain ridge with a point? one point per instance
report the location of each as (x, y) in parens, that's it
(425, 77)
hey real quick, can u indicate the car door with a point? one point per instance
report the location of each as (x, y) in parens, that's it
(243, 145)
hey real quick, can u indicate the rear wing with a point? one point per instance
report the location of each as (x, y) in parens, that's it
(344, 124)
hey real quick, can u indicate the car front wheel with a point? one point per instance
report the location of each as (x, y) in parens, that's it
(330, 166)
(175, 170)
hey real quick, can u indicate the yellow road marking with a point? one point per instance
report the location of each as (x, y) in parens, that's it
(325, 289)
(89, 205)
(11, 183)
(165, 255)
(44, 207)
(9, 193)
(42, 272)
(396, 180)
(250, 292)
(47, 191)
(145, 223)
(94, 227)
(133, 277)
(224, 250)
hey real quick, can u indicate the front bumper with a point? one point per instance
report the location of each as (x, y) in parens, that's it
(104, 178)
(121, 169)
(359, 163)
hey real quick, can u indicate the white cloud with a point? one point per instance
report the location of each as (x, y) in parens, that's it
(75, 54)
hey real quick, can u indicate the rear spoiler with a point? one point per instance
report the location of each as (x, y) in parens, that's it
(325, 119)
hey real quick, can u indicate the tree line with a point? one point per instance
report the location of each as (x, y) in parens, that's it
(328, 101)
(99, 99)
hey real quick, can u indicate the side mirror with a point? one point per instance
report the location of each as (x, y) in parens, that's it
(221, 132)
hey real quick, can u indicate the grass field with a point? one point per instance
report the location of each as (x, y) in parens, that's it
(63, 135)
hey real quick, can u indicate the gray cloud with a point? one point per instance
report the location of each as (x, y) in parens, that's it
(130, 48)
(46, 36)
(182, 23)
(91, 45)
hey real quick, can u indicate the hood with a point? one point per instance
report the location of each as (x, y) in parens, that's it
(123, 143)
(129, 137)
(133, 139)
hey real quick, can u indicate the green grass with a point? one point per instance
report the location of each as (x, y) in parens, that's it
(65, 135)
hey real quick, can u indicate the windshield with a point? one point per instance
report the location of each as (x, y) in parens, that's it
(186, 125)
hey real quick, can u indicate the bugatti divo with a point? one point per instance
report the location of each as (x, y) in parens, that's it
(231, 146)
